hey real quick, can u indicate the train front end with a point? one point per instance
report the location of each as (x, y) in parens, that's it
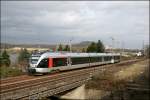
(33, 62)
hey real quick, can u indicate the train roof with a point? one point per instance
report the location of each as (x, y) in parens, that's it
(64, 54)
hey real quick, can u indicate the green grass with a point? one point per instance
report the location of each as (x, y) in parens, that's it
(9, 72)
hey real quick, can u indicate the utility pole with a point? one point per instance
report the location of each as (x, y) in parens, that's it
(143, 48)
(70, 44)
(122, 47)
(39, 47)
(112, 43)
(118, 45)
(56, 48)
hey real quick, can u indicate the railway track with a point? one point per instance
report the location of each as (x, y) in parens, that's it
(28, 83)
(53, 82)
(35, 81)
(14, 79)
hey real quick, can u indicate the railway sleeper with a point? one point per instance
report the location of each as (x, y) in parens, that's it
(57, 90)
(22, 84)
(21, 93)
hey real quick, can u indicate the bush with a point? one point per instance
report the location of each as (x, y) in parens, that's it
(4, 59)
(24, 55)
(92, 47)
(9, 72)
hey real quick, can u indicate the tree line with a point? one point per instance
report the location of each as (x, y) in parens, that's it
(96, 47)
(93, 47)
(66, 48)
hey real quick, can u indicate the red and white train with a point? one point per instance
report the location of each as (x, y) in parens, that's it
(59, 61)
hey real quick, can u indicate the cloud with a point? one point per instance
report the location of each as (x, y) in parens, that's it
(53, 22)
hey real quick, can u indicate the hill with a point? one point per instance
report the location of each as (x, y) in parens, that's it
(82, 44)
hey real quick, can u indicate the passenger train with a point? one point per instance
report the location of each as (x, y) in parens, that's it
(59, 61)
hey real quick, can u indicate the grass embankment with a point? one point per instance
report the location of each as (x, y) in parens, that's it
(9, 71)
(116, 78)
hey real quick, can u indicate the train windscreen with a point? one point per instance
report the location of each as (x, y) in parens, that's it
(34, 59)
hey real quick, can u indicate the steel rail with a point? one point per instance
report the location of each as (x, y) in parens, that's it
(14, 79)
(53, 84)
(23, 84)
(51, 92)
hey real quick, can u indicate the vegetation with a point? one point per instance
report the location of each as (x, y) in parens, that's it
(67, 48)
(24, 55)
(4, 58)
(100, 46)
(96, 47)
(23, 59)
(83, 50)
(5, 69)
(9, 71)
(60, 48)
(92, 47)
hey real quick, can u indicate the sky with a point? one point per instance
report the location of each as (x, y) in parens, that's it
(118, 23)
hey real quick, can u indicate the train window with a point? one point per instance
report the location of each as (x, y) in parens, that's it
(59, 62)
(117, 57)
(110, 57)
(80, 60)
(95, 59)
(43, 63)
(107, 58)
(33, 61)
(114, 57)
(100, 59)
